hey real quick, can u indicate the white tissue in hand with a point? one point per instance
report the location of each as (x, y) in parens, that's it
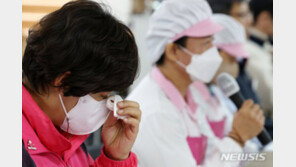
(112, 105)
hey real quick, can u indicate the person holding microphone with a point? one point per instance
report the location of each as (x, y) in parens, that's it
(257, 64)
(180, 46)
(231, 44)
(74, 58)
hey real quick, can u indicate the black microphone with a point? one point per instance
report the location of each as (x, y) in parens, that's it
(230, 88)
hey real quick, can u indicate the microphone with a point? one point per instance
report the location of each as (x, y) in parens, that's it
(231, 89)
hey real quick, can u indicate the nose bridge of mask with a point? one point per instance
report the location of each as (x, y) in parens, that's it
(209, 52)
(204, 55)
(84, 99)
(213, 51)
(203, 66)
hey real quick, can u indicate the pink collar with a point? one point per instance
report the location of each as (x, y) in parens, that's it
(169, 89)
(44, 136)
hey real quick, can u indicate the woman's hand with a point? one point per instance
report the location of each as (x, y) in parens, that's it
(119, 135)
(248, 122)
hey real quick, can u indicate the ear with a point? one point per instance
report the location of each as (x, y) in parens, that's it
(223, 54)
(58, 81)
(171, 52)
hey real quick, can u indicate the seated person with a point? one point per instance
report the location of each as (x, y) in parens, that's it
(171, 134)
(259, 64)
(74, 58)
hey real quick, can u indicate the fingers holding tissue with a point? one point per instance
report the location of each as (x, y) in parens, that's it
(123, 108)
(112, 105)
(119, 135)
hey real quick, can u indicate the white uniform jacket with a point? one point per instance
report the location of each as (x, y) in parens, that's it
(166, 123)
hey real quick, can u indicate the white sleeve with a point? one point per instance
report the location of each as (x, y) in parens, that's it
(260, 70)
(161, 142)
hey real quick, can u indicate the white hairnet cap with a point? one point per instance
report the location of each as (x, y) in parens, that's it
(175, 19)
(232, 38)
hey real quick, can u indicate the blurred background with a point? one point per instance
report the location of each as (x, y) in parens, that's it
(136, 13)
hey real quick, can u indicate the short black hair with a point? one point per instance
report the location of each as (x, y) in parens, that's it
(83, 38)
(258, 6)
(181, 41)
(223, 6)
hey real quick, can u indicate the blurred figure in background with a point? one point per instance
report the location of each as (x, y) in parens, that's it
(231, 44)
(249, 85)
(172, 132)
(262, 30)
(239, 9)
(259, 65)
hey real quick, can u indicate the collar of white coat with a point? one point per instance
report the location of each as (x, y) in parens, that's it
(202, 89)
(169, 89)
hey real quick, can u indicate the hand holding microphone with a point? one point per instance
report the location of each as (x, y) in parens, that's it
(249, 120)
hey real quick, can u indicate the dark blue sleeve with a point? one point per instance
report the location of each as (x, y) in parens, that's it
(27, 161)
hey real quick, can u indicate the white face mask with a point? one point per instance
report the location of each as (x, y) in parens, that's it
(87, 116)
(202, 67)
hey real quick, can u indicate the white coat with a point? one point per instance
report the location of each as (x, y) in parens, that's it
(259, 68)
(161, 140)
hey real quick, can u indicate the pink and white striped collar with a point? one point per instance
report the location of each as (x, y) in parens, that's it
(202, 89)
(169, 89)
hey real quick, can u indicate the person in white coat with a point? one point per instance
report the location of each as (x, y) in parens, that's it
(230, 43)
(171, 134)
(220, 109)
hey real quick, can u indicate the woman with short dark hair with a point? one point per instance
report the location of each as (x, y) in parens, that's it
(74, 58)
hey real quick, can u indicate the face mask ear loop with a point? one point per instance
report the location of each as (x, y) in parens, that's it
(181, 64)
(64, 108)
(185, 50)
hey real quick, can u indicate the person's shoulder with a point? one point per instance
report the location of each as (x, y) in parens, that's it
(146, 86)
(147, 93)
(254, 49)
(154, 104)
(252, 45)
